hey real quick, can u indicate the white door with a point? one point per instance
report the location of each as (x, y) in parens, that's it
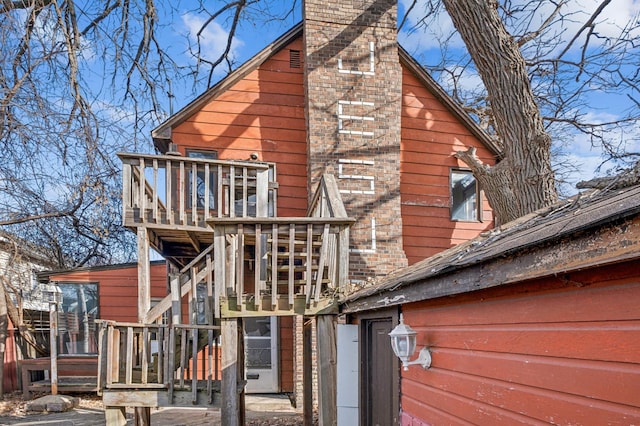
(261, 350)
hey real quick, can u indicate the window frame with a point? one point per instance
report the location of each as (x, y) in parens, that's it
(204, 154)
(478, 197)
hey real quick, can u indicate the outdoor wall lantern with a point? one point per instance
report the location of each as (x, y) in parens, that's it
(403, 342)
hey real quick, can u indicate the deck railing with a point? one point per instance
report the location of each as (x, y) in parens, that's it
(158, 356)
(283, 263)
(174, 190)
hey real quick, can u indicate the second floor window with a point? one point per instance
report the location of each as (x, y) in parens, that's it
(464, 196)
(200, 179)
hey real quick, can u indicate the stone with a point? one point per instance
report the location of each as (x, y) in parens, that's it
(53, 403)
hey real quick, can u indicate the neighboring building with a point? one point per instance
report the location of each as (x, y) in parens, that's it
(19, 263)
(533, 322)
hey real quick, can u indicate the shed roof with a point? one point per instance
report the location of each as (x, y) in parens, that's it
(162, 134)
(465, 267)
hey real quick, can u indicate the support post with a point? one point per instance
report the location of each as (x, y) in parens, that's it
(144, 274)
(53, 334)
(143, 414)
(327, 374)
(232, 387)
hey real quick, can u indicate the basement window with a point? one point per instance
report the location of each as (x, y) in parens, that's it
(464, 196)
(295, 59)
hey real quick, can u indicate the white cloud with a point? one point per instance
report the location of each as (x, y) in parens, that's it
(213, 39)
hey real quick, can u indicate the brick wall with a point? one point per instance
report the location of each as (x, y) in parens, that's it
(353, 92)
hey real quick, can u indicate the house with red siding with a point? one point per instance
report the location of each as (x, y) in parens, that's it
(535, 321)
(324, 162)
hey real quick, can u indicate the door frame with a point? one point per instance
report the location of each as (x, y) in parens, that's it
(268, 380)
(364, 320)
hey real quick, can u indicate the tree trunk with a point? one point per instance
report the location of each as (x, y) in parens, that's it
(523, 181)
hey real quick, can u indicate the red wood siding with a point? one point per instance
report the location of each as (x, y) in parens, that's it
(430, 137)
(562, 351)
(118, 288)
(263, 113)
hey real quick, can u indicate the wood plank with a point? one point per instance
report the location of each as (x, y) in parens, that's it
(230, 410)
(326, 341)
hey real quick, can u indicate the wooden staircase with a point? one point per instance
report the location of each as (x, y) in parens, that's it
(232, 258)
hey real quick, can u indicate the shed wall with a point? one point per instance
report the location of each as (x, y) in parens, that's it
(562, 351)
(118, 288)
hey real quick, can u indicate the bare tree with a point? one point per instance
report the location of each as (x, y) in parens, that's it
(544, 64)
(79, 81)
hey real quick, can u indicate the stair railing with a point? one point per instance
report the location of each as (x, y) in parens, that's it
(159, 356)
(184, 191)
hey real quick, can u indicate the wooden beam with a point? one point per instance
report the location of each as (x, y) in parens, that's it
(231, 406)
(327, 374)
(144, 274)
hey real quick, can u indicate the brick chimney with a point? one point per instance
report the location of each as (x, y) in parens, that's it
(353, 101)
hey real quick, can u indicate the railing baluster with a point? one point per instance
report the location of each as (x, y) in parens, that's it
(144, 361)
(168, 182)
(143, 192)
(171, 355)
(160, 366)
(245, 192)
(194, 193)
(129, 361)
(274, 265)
(257, 266)
(183, 356)
(210, 373)
(232, 191)
(220, 191)
(181, 193)
(309, 271)
(155, 190)
(321, 263)
(240, 268)
(207, 191)
(194, 363)
(292, 252)
(207, 306)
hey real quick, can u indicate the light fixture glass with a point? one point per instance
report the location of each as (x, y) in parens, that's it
(403, 342)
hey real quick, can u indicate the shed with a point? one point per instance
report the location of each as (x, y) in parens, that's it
(534, 321)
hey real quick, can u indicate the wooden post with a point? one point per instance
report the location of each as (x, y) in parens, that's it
(143, 414)
(327, 374)
(231, 402)
(307, 371)
(53, 333)
(144, 275)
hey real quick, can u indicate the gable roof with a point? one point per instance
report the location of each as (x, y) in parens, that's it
(162, 134)
(565, 237)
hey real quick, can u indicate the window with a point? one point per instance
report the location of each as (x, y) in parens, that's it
(78, 310)
(200, 178)
(464, 196)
